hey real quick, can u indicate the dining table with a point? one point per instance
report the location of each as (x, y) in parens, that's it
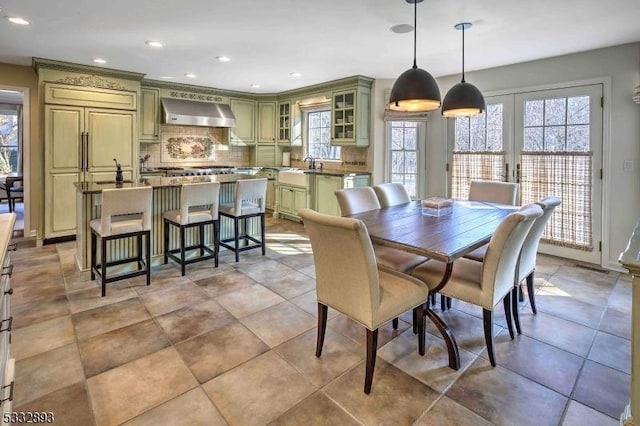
(441, 238)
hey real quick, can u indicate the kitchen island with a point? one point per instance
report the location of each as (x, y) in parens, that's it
(166, 196)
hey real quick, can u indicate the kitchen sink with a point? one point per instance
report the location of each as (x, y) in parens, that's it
(293, 177)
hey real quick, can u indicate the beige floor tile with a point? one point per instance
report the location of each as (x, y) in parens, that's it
(26, 294)
(32, 274)
(248, 300)
(279, 323)
(612, 351)
(173, 298)
(620, 298)
(217, 351)
(491, 393)
(192, 408)
(447, 412)
(109, 350)
(47, 372)
(204, 270)
(69, 406)
(432, 368)
(267, 269)
(92, 298)
(309, 304)
(194, 320)
(220, 284)
(616, 323)
(339, 354)
(41, 337)
(258, 391)
(109, 317)
(161, 281)
(603, 388)
(581, 415)
(291, 285)
(39, 310)
(563, 334)
(125, 392)
(317, 410)
(396, 398)
(358, 333)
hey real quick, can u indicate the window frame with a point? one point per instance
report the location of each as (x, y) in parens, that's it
(18, 146)
(305, 132)
(421, 141)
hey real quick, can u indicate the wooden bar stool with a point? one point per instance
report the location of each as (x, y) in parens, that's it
(248, 202)
(126, 213)
(199, 204)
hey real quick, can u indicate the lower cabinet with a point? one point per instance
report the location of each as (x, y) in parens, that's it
(7, 371)
(270, 202)
(291, 199)
(325, 187)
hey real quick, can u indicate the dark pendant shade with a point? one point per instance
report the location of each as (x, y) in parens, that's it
(414, 90)
(462, 100)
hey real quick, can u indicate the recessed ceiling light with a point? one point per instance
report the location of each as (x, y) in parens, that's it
(295, 74)
(223, 58)
(152, 43)
(190, 75)
(255, 86)
(99, 60)
(402, 28)
(17, 20)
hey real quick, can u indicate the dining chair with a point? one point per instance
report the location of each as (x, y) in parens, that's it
(249, 201)
(348, 280)
(486, 284)
(198, 208)
(391, 194)
(125, 213)
(493, 192)
(358, 200)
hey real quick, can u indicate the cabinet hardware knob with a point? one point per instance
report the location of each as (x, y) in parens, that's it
(7, 320)
(12, 247)
(10, 386)
(7, 270)
(9, 292)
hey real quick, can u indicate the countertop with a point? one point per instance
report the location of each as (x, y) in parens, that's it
(159, 182)
(334, 172)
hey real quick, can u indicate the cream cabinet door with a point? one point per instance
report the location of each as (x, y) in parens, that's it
(149, 115)
(243, 133)
(110, 135)
(61, 204)
(63, 134)
(325, 188)
(266, 122)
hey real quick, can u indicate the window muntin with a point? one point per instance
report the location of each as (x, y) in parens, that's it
(319, 136)
(559, 124)
(404, 155)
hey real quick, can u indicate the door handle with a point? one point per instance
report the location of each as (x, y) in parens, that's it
(86, 151)
(82, 151)
(506, 172)
(518, 173)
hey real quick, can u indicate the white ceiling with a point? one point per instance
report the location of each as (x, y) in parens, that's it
(323, 40)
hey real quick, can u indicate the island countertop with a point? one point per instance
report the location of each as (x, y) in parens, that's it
(159, 182)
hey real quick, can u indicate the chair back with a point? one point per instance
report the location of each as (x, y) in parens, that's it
(125, 201)
(199, 194)
(357, 200)
(527, 262)
(250, 189)
(500, 261)
(493, 192)
(391, 194)
(346, 272)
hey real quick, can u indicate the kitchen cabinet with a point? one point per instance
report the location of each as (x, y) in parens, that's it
(291, 198)
(80, 145)
(270, 201)
(267, 122)
(296, 125)
(7, 363)
(284, 123)
(350, 117)
(325, 186)
(243, 134)
(149, 126)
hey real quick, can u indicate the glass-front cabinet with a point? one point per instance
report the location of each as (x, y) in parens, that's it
(284, 123)
(350, 117)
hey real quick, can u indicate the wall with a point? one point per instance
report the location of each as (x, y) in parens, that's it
(17, 77)
(619, 65)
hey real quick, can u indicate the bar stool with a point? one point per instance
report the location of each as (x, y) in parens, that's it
(198, 207)
(126, 212)
(248, 202)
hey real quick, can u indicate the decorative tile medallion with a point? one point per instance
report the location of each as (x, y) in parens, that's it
(187, 148)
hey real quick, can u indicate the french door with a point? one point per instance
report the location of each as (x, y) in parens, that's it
(550, 142)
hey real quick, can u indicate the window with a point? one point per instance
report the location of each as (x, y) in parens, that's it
(404, 158)
(319, 136)
(8, 142)
(478, 151)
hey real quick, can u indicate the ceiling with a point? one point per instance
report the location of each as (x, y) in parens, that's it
(323, 40)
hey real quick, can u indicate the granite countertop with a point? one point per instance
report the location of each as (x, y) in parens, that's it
(335, 172)
(159, 182)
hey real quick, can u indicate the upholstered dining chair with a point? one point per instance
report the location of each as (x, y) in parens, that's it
(493, 192)
(349, 281)
(486, 284)
(391, 194)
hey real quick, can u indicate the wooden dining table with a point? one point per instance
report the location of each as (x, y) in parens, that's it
(444, 238)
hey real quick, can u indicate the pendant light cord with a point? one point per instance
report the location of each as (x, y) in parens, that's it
(415, 25)
(463, 25)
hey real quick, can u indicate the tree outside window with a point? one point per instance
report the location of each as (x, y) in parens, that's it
(320, 136)
(8, 143)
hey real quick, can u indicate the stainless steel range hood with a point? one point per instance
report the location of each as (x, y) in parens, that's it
(194, 113)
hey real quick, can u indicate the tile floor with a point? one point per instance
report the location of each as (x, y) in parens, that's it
(235, 345)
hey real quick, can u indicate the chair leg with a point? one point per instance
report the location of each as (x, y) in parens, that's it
(236, 230)
(103, 257)
(487, 317)
(322, 326)
(419, 310)
(372, 347)
(443, 303)
(507, 313)
(139, 247)
(448, 303)
(216, 240)
(415, 321)
(514, 308)
(148, 256)
(182, 251)
(94, 249)
(520, 293)
(201, 244)
(532, 296)
(166, 241)
(394, 322)
(262, 232)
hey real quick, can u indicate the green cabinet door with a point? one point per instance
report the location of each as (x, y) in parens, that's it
(325, 198)
(267, 122)
(149, 126)
(243, 133)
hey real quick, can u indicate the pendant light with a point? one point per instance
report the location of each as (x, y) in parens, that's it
(415, 89)
(464, 99)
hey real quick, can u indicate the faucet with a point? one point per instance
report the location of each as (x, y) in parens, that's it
(312, 162)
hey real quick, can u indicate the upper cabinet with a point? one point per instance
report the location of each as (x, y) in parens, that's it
(243, 134)
(149, 126)
(350, 111)
(284, 123)
(267, 122)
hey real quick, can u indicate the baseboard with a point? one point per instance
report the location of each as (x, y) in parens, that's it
(57, 240)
